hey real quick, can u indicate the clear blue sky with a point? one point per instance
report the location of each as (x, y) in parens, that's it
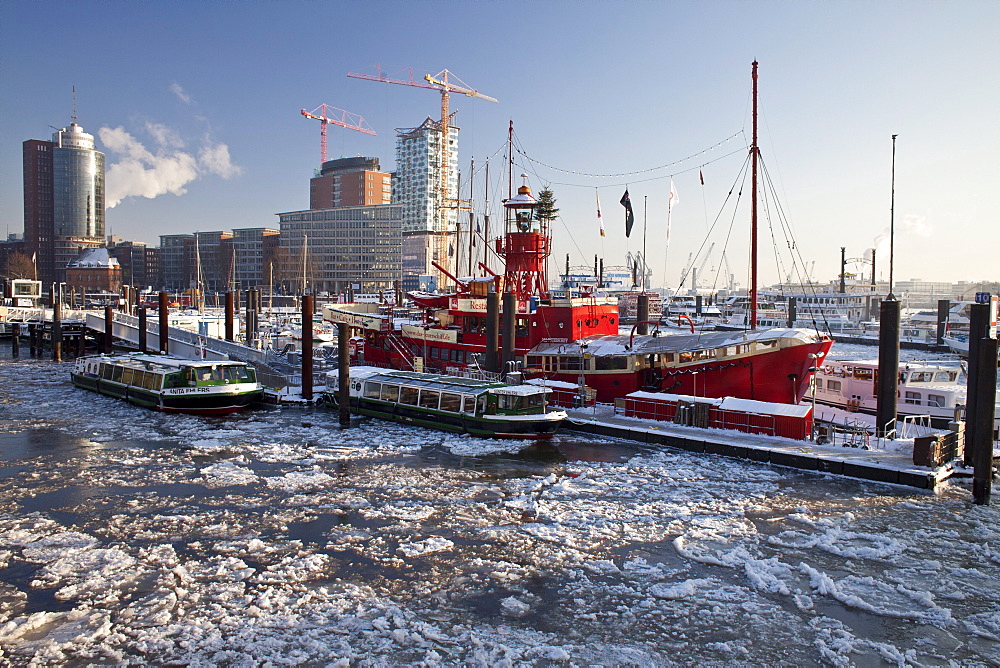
(209, 94)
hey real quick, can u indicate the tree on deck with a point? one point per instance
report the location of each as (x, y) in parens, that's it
(546, 211)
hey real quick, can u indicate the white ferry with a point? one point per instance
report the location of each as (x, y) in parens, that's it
(170, 384)
(925, 388)
(452, 403)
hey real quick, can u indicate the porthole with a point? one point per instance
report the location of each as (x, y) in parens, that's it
(612, 321)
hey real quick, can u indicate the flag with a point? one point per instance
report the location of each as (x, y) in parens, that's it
(672, 197)
(702, 177)
(599, 218)
(629, 216)
(451, 250)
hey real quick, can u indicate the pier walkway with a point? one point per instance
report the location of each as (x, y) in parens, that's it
(878, 465)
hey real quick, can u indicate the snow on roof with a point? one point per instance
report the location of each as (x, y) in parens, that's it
(730, 404)
(558, 384)
(620, 345)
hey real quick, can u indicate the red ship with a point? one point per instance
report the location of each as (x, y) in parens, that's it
(576, 339)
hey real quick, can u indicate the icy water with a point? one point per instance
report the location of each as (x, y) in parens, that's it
(129, 537)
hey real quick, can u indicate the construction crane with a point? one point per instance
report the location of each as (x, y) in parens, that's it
(445, 83)
(326, 114)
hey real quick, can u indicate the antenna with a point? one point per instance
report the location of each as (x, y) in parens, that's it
(73, 117)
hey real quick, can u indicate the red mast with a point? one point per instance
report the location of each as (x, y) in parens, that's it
(754, 152)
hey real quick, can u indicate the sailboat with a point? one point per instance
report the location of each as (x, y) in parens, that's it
(575, 340)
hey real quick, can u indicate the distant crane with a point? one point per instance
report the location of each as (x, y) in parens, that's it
(326, 114)
(446, 83)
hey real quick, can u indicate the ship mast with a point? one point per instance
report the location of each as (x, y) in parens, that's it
(754, 153)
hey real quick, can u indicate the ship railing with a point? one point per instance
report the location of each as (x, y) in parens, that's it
(401, 349)
(478, 374)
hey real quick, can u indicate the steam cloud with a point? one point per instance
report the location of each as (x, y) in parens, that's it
(912, 225)
(176, 89)
(141, 172)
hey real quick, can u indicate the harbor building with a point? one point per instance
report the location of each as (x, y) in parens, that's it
(350, 182)
(94, 271)
(428, 223)
(63, 199)
(131, 255)
(332, 250)
(175, 253)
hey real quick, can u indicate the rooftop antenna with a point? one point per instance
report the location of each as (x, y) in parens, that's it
(73, 117)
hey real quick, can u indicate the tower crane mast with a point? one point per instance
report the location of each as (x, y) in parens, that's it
(326, 114)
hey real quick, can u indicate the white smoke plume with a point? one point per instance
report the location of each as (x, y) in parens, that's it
(913, 225)
(141, 172)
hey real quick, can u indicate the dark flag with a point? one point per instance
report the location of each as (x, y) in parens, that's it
(702, 177)
(629, 216)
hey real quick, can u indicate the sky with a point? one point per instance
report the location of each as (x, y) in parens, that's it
(197, 108)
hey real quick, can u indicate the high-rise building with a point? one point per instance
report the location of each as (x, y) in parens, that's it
(428, 223)
(63, 199)
(350, 182)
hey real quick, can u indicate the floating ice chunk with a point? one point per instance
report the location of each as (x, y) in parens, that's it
(224, 474)
(51, 547)
(678, 590)
(515, 606)
(426, 546)
(303, 480)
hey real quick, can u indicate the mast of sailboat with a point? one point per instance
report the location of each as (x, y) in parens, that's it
(305, 241)
(754, 152)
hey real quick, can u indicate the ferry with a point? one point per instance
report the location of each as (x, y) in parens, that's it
(925, 389)
(452, 403)
(170, 384)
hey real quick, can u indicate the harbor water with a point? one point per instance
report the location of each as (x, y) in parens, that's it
(129, 537)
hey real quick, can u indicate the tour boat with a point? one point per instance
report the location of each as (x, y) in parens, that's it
(452, 403)
(170, 384)
(925, 389)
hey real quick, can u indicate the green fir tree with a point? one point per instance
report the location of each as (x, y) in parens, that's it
(546, 211)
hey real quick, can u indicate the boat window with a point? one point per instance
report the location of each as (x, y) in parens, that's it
(912, 398)
(127, 376)
(106, 371)
(451, 402)
(116, 374)
(408, 395)
(481, 405)
(218, 374)
(833, 385)
(429, 398)
(936, 400)
(202, 374)
(534, 400)
(389, 393)
(610, 363)
(157, 381)
(921, 376)
(694, 355)
(236, 374)
(570, 363)
(508, 402)
(819, 383)
(945, 376)
(765, 345)
(372, 390)
(536, 362)
(863, 373)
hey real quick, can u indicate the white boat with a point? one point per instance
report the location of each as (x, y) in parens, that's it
(929, 389)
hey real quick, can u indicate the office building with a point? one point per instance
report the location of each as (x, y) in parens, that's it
(329, 250)
(350, 182)
(255, 254)
(63, 199)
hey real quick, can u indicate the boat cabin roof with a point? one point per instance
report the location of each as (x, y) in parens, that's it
(435, 381)
(165, 363)
(622, 345)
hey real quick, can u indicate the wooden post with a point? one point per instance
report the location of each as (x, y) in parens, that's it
(15, 341)
(31, 339)
(307, 348)
(982, 445)
(641, 314)
(944, 306)
(344, 374)
(230, 302)
(164, 315)
(978, 330)
(109, 328)
(888, 368)
(141, 312)
(492, 331)
(792, 315)
(508, 320)
(56, 331)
